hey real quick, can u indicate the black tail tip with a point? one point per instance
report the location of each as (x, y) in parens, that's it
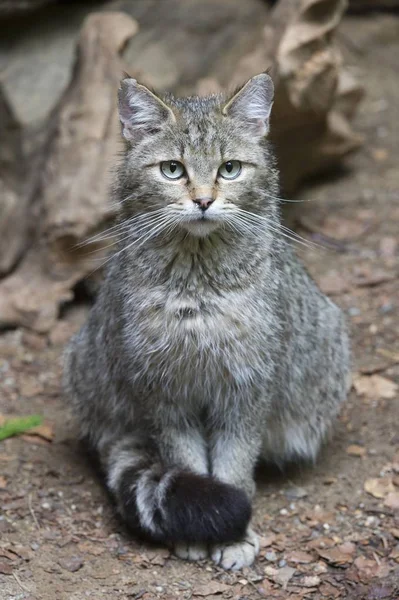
(205, 510)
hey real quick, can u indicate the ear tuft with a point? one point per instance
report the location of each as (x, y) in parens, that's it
(252, 104)
(140, 110)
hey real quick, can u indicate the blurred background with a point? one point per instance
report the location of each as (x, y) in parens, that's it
(330, 532)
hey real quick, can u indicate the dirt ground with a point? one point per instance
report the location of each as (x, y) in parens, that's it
(327, 532)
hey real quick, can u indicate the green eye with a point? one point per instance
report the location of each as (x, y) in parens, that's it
(172, 169)
(230, 169)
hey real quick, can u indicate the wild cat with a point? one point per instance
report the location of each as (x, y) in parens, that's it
(209, 346)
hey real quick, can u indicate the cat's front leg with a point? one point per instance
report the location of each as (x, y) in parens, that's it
(233, 458)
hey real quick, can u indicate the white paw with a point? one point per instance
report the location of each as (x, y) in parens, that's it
(191, 551)
(238, 555)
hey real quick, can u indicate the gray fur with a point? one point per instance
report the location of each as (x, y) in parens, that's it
(209, 340)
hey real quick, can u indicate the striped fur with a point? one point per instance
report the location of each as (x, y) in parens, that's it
(174, 505)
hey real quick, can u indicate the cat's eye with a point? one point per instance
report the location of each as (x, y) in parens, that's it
(172, 169)
(230, 169)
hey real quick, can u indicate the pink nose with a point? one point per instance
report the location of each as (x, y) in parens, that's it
(203, 203)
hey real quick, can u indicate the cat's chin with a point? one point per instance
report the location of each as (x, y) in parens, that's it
(200, 227)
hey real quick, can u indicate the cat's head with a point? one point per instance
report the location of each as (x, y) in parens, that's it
(197, 161)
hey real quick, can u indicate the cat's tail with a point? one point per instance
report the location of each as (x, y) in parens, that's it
(173, 505)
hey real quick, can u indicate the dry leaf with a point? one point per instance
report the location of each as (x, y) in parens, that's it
(213, 587)
(374, 386)
(299, 557)
(90, 548)
(392, 500)
(367, 568)
(329, 591)
(333, 283)
(379, 488)
(3, 482)
(336, 556)
(395, 554)
(45, 431)
(5, 568)
(281, 576)
(310, 581)
(267, 540)
(355, 450)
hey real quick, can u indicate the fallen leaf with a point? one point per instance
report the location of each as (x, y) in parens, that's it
(310, 581)
(267, 540)
(355, 450)
(392, 500)
(30, 387)
(333, 283)
(395, 532)
(388, 246)
(367, 278)
(336, 556)
(72, 563)
(299, 557)
(3, 482)
(379, 488)
(367, 567)
(395, 554)
(374, 386)
(213, 587)
(281, 576)
(379, 154)
(5, 568)
(329, 591)
(44, 431)
(90, 548)
(295, 493)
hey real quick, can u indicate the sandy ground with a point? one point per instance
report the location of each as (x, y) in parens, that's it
(327, 532)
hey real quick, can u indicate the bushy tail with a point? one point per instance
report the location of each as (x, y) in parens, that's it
(173, 505)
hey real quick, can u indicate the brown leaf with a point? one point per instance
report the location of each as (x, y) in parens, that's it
(310, 581)
(208, 589)
(374, 386)
(379, 487)
(329, 591)
(281, 576)
(44, 431)
(395, 554)
(3, 482)
(299, 557)
(333, 283)
(5, 568)
(267, 540)
(367, 567)
(355, 450)
(71, 563)
(336, 556)
(388, 246)
(392, 500)
(90, 548)
(30, 387)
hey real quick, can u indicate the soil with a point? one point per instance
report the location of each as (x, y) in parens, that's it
(328, 531)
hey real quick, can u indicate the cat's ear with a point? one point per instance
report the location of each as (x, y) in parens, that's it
(252, 104)
(140, 110)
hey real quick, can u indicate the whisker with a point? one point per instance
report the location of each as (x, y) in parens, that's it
(143, 229)
(287, 201)
(279, 229)
(142, 217)
(156, 229)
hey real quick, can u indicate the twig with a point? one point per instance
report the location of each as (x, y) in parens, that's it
(17, 579)
(32, 511)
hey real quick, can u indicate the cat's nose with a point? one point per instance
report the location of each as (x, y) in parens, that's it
(203, 203)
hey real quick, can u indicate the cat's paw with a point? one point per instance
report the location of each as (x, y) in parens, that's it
(191, 551)
(236, 556)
